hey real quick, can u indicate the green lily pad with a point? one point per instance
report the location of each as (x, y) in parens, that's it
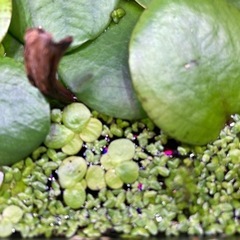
(95, 178)
(98, 72)
(185, 66)
(236, 3)
(75, 196)
(82, 19)
(2, 50)
(58, 136)
(13, 48)
(71, 171)
(128, 171)
(5, 17)
(76, 116)
(25, 114)
(143, 3)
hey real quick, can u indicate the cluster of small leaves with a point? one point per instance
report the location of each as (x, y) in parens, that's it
(179, 189)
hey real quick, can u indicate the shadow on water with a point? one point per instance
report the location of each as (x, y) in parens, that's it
(116, 237)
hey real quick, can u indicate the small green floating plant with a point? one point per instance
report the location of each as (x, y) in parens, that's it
(140, 184)
(79, 173)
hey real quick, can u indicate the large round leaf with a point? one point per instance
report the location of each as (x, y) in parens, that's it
(5, 16)
(98, 72)
(25, 114)
(82, 19)
(13, 48)
(143, 3)
(236, 3)
(184, 60)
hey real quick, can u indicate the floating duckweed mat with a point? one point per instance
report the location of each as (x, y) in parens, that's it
(113, 176)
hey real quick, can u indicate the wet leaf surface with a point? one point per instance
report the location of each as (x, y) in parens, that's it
(187, 78)
(5, 17)
(25, 113)
(83, 19)
(98, 72)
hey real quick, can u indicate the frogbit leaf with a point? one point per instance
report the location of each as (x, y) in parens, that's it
(13, 48)
(184, 61)
(98, 72)
(25, 114)
(236, 3)
(143, 3)
(2, 50)
(82, 19)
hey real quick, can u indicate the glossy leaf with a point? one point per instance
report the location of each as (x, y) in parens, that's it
(185, 66)
(5, 17)
(143, 3)
(98, 72)
(25, 114)
(236, 3)
(13, 48)
(2, 50)
(84, 19)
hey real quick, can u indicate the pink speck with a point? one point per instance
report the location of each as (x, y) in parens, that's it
(140, 186)
(168, 152)
(135, 136)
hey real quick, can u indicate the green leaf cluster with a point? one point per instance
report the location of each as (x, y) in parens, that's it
(132, 59)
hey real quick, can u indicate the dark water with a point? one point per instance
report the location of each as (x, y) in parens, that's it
(132, 238)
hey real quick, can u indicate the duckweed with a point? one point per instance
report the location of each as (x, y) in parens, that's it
(122, 176)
